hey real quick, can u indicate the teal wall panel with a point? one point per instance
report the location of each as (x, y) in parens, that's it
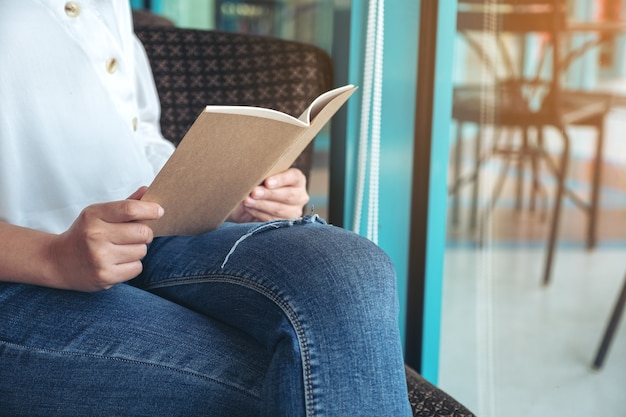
(438, 192)
(398, 109)
(401, 38)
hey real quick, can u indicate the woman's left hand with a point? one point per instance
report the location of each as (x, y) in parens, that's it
(281, 196)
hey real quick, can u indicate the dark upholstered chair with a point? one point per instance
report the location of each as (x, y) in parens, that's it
(193, 68)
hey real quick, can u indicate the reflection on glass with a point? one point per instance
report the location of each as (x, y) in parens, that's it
(537, 225)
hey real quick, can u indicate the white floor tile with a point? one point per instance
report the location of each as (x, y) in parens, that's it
(511, 347)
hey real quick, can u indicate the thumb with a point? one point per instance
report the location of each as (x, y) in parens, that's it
(138, 194)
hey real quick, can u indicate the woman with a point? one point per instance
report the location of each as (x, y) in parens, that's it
(286, 316)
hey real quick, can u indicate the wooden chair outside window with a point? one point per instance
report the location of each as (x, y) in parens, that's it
(517, 105)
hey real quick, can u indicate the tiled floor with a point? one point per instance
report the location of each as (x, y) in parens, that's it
(511, 347)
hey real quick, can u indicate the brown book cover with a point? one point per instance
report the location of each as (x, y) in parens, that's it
(227, 152)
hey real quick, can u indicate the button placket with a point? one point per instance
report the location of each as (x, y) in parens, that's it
(84, 20)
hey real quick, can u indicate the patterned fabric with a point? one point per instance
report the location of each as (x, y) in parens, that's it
(193, 68)
(427, 400)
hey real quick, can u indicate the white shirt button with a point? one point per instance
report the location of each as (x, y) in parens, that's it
(72, 9)
(111, 65)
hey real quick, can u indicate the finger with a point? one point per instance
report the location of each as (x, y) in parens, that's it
(123, 254)
(126, 271)
(105, 256)
(240, 215)
(138, 194)
(128, 211)
(130, 233)
(294, 196)
(120, 266)
(291, 177)
(265, 210)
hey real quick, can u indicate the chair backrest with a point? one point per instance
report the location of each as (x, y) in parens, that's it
(194, 68)
(521, 16)
(519, 20)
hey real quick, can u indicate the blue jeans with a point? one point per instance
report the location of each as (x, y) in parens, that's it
(276, 319)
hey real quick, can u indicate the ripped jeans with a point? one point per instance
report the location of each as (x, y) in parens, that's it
(277, 319)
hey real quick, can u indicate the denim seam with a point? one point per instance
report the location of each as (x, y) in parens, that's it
(19, 346)
(276, 299)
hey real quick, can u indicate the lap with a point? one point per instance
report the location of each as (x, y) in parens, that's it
(245, 273)
(327, 293)
(203, 318)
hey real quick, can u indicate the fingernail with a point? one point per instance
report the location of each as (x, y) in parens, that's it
(272, 182)
(160, 212)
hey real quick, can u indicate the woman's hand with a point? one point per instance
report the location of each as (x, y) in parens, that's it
(281, 196)
(104, 245)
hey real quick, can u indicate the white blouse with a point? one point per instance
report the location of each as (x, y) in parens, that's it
(78, 110)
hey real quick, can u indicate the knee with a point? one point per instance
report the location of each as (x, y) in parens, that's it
(354, 270)
(361, 259)
(321, 264)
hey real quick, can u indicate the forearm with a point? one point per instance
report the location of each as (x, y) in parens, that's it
(25, 255)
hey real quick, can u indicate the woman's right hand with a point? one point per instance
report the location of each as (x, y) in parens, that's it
(104, 246)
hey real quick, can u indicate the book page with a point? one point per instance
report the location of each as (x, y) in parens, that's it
(257, 112)
(321, 102)
(304, 120)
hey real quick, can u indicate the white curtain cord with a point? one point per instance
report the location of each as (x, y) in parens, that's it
(371, 107)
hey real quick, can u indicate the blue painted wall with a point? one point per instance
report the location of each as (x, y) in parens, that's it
(438, 191)
(400, 65)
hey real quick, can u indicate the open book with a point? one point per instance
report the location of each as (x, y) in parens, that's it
(226, 153)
